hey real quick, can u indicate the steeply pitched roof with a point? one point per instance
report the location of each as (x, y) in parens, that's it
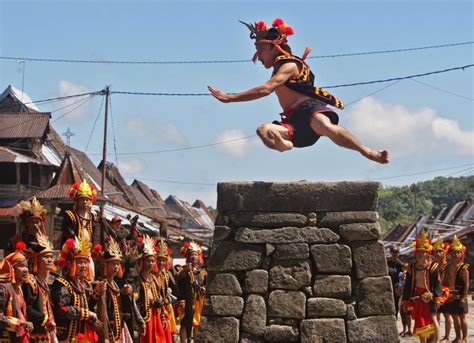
(7, 155)
(23, 125)
(13, 99)
(114, 176)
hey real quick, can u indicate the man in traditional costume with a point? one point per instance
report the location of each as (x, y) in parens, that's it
(149, 300)
(439, 256)
(81, 221)
(457, 278)
(36, 290)
(167, 286)
(14, 324)
(33, 216)
(423, 290)
(112, 260)
(305, 116)
(192, 288)
(76, 323)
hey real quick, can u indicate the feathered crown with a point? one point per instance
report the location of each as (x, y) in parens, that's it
(113, 251)
(147, 247)
(456, 245)
(276, 34)
(73, 248)
(83, 190)
(422, 242)
(31, 208)
(439, 245)
(42, 245)
(189, 247)
(162, 248)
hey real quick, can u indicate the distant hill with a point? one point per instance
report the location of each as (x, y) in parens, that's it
(397, 204)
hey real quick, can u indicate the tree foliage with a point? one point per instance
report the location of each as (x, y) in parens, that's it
(397, 204)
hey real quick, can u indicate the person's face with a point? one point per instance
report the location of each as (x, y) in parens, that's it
(83, 203)
(421, 256)
(33, 225)
(82, 267)
(438, 255)
(116, 224)
(161, 263)
(394, 254)
(45, 261)
(265, 54)
(456, 255)
(113, 267)
(21, 270)
(193, 257)
(149, 263)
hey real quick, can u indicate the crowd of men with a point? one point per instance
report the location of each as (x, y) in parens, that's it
(123, 290)
(436, 282)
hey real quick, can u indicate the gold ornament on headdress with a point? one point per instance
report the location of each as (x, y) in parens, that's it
(82, 247)
(113, 250)
(31, 208)
(439, 244)
(456, 245)
(163, 249)
(422, 242)
(44, 242)
(83, 190)
(148, 246)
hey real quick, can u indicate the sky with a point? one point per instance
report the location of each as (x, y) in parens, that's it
(426, 123)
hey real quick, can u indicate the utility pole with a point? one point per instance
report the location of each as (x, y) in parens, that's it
(105, 92)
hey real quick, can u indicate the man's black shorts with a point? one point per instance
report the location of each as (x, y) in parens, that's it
(299, 123)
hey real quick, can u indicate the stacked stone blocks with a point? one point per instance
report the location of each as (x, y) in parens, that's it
(298, 262)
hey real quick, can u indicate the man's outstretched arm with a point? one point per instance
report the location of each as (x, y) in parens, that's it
(285, 72)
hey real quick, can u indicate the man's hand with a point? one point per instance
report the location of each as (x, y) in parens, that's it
(221, 96)
(127, 289)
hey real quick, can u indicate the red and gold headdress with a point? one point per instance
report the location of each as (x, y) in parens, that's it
(31, 209)
(6, 271)
(422, 243)
(83, 190)
(16, 257)
(112, 253)
(276, 35)
(41, 246)
(163, 251)
(439, 245)
(190, 247)
(456, 245)
(73, 249)
(146, 247)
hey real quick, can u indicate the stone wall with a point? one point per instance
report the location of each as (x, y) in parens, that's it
(298, 262)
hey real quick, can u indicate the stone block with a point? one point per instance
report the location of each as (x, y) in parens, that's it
(350, 315)
(222, 233)
(375, 297)
(332, 258)
(360, 231)
(332, 286)
(286, 235)
(267, 220)
(334, 219)
(223, 305)
(223, 284)
(256, 281)
(325, 308)
(231, 256)
(291, 251)
(379, 329)
(324, 330)
(254, 318)
(281, 334)
(369, 259)
(301, 196)
(218, 330)
(287, 304)
(290, 275)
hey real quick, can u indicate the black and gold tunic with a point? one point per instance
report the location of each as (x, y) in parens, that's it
(12, 309)
(38, 308)
(148, 297)
(74, 225)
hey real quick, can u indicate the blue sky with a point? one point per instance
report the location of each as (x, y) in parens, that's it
(423, 128)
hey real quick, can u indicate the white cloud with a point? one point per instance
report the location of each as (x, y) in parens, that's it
(68, 88)
(131, 166)
(156, 133)
(406, 132)
(237, 145)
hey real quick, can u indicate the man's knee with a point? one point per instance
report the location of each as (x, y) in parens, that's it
(323, 126)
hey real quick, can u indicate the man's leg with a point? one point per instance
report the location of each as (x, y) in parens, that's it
(275, 137)
(447, 326)
(322, 126)
(457, 328)
(463, 322)
(436, 324)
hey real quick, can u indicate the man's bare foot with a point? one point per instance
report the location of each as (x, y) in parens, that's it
(380, 156)
(281, 144)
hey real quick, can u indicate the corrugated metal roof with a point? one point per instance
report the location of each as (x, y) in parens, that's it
(23, 125)
(7, 155)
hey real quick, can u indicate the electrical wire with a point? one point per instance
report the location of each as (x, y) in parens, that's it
(56, 60)
(423, 172)
(442, 90)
